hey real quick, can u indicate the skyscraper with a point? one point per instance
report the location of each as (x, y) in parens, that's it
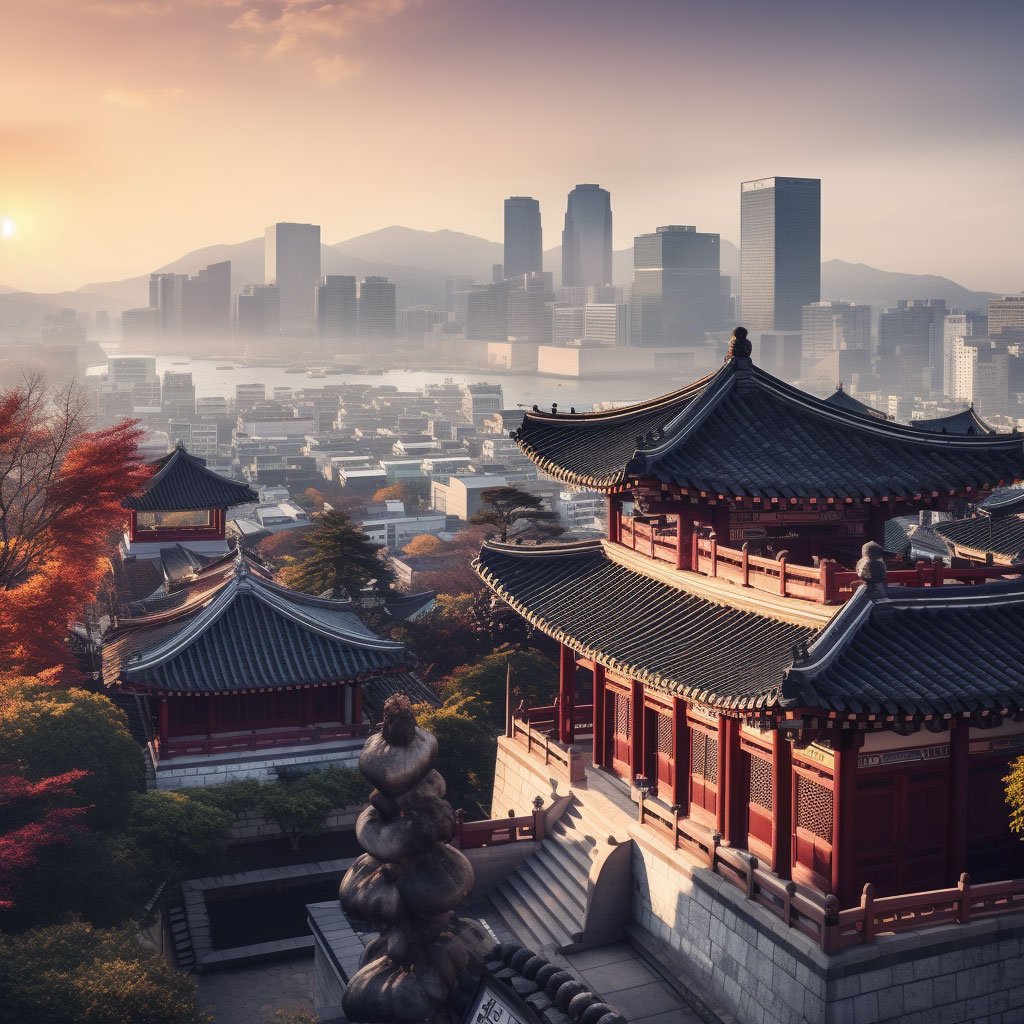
(378, 316)
(166, 296)
(292, 263)
(336, 310)
(910, 341)
(587, 237)
(839, 329)
(677, 290)
(780, 251)
(523, 239)
(206, 301)
(258, 311)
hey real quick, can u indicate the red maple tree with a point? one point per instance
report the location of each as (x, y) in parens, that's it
(33, 816)
(61, 493)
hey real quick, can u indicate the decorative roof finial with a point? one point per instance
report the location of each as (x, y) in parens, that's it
(179, 444)
(740, 346)
(871, 569)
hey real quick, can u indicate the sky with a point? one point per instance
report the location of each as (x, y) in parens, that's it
(133, 131)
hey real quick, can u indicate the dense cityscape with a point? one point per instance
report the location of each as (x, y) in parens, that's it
(617, 622)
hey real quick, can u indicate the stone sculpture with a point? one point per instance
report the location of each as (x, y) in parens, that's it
(408, 881)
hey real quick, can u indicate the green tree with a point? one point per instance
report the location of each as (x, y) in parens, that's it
(75, 974)
(1014, 783)
(466, 753)
(336, 556)
(504, 507)
(449, 635)
(481, 686)
(46, 730)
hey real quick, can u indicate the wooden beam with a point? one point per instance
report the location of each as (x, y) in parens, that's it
(735, 832)
(844, 808)
(782, 806)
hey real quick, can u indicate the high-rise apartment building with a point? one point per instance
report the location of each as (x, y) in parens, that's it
(292, 263)
(336, 307)
(1006, 314)
(958, 325)
(981, 374)
(377, 309)
(517, 308)
(166, 296)
(178, 400)
(677, 289)
(587, 237)
(780, 251)
(523, 236)
(831, 328)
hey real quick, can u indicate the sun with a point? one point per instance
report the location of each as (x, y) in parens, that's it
(6, 228)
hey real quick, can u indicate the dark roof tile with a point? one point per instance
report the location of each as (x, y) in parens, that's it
(182, 483)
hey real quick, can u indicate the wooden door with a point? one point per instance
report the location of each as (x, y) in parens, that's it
(618, 731)
(703, 775)
(756, 771)
(659, 756)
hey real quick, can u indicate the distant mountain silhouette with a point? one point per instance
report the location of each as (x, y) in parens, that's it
(419, 261)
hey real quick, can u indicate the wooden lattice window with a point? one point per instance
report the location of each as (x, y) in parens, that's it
(814, 808)
(761, 782)
(622, 715)
(704, 756)
(665, 735)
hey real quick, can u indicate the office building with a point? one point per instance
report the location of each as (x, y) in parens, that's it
(606, 324)
(179, 395)
(377, 311)
(523, 237)
(910, 338)
(336, 307)
(514, 309)
(981, 374)
(206, 301)
(258, 311)
(452, 288)
(780, 251)
(677, 289)
(166, 296)
(292, 264)
(836, 340)
(566, 325)
(587, 237)
(1006, 314)
(140, 324)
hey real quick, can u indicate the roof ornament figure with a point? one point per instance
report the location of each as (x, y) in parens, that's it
(554, 408)
(740, 346)
(408, 881)
(871, 569)
(179, 444)
(740, 349)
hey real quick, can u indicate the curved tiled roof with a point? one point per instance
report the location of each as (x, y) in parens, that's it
(246, 633)
(182, 483)
(743, 432)
(929, 651)
(1002, 535)
(967, 423)
(649, 630)
(842, 399)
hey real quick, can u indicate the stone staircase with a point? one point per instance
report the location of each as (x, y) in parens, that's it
(183, 951)
(544, 902)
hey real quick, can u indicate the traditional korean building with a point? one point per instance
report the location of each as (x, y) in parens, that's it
(236, 676)
(791, 715)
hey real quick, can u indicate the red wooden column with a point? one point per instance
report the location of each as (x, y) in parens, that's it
(357, 704)
(845, 745)
(681, 755)
(163, 721)
(636, 729)
(566, 694)
(782, 805)
(730, 795)
(599, 722)
(959, 750)
(613, 517)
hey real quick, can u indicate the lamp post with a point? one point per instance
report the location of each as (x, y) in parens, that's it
(643, 786)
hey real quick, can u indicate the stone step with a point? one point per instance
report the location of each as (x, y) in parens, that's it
(554, 872)
(573, 860)
(563, 892)
(533, 924)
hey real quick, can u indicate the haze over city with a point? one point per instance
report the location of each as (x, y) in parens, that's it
(162, 128)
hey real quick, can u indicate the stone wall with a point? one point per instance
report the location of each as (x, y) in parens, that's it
(519, 778)
(188, 773)
(493, 864)
(249, 827)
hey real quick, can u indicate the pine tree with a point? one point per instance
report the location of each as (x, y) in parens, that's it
(504, 507)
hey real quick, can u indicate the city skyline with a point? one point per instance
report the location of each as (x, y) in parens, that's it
(130, 130)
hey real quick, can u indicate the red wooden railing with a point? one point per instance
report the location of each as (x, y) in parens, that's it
(475, 835)
(533, 727)
(257, 740)
(546, 717)
(654, 536)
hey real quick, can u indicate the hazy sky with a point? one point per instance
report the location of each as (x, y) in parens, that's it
(132, 131)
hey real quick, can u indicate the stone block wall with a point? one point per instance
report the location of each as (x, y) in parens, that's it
(519, 778)
(215, 772)
(250, 827)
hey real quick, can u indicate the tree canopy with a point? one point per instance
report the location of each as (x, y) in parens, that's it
(506, 507)
(336, 556)
(447, 636)
(61, 494)
(424, 544)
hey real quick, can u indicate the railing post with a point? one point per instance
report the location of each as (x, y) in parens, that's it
(694, 550)
(937, 571)
(751, 868)
(716, 841)
(828, 580)
(787, 903)
(963, 910)
(460, 814)
(679, 541)
(675, 826)
(538, 819)
(782, 575)
(830, 925)
(919, 567)
(867, 899)
(714, 554)
(745, 563)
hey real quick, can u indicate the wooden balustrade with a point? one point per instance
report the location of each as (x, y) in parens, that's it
(654, 536)
(256, 740)
(536, 735)
(475, 835)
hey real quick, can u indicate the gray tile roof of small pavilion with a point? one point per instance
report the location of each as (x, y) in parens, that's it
(182, 483)
(917, 652)
(376, 691)
(247, 633)
(967, 423)
(1001, 535)
(1005, 501)
(743, 432)
(842, 399)
(668, 638)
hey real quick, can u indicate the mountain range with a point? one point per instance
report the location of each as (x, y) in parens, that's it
(419, 261)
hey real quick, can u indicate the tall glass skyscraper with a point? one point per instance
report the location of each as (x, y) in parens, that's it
(523, 240)
(587, 237)
(292, 262)
(780, 251)
(677, 286)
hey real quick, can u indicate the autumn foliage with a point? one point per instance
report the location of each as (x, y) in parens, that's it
(61, 489)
